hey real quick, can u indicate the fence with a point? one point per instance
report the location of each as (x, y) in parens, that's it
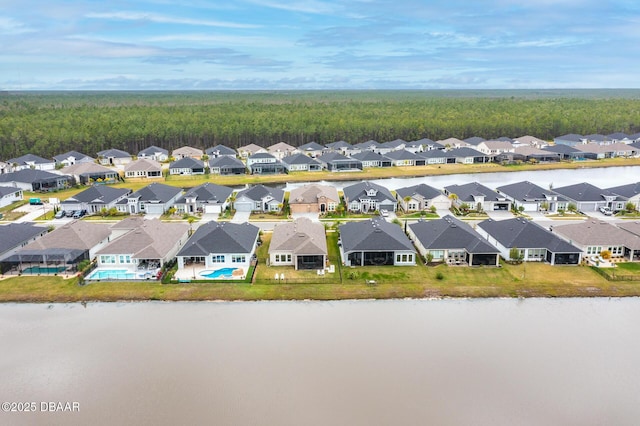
(611, 274)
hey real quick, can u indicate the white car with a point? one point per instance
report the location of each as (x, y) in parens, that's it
(606, 211)
(384, 213)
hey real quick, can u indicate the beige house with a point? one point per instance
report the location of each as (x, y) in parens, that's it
(281, 150)
(143, 168)
(594, 236)
(251, 149)
(187, 151)
(301, 244)
(314, 198)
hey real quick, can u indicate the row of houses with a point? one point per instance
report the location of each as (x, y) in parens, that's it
(275, 158)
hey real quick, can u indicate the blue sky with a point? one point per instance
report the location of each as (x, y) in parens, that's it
(319, 44)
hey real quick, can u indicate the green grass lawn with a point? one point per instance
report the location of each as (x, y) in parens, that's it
(631, 267)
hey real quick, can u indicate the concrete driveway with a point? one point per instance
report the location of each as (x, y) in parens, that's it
(241, 217)
(311, 216)
(499, 214)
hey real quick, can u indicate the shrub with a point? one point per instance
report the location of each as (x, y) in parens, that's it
(439, 276)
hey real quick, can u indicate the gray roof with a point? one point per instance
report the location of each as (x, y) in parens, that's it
(301, 237)
(474, 140)
(571, 137)
(424, 190)
(627, 191)
(311, 146)
(115, 153)
(561, 149)
(583, 192)
(401, 154)
(6, 190)
(339, 145)
(525, 191)
(370, 156)
(98, 194)
(258, 192)
(367, 145)
(373, 235)
(359, 190)
(429, 142)
(596, 232)
(153, 150)
(333, 157)
(13, 235)
(465, 152)
(78, 234)
(154, 239)
(30, 176)
(433, 153)
(75, 154)
(299, 159)
(261, 155)
(394, 143)
(226, 162)
(143, 164)
(187, 163)
(220, 150)
(28, 158)
(617, 135)
(525, 234)
(221, 238)
(468, 191)
(450, 233)
(208, 192)
(155, 192)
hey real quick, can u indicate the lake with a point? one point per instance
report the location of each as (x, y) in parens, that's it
(393, 362)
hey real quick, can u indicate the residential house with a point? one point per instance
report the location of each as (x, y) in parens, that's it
(416, 146)
(343, 148)
(264, 164)
(312, 149)
(154, 153)
(220, 151)
(454, 143)
(530, 141)
(218, 250)
(587, 197)
(205, 198)
(452, 241)
(532, 154)
(435, 156)
(187, 166)
(596, 138)
(421, 198)
(95, 198)
(619, 137)
(301, 244)
(187, 152)
(375, 242)
(593, 236)
(599, 151)
(10, 194)
(474, 140)
(90, 173)
(281, 150)
(625, 194)
(531, 197)
(114, 157)
(31, 161)
(67, 245)
(633, 227)
(259, 198)
(141, 252)
(429, 145)
(336, 162)
(35, 180)
(389, 146)
(372, 159)
(565, 152)
(403, 157)
(314, 198)
(144, 168)
(14, 236)
(494, 147)
(477, 197)
(70, 158)
(570, 139)
(4, 167)
(368, 197)
(467, 156)
(226, 165)
(533, 242)
(369, 145)
(301, 163)
(251, 149)
(155, 198)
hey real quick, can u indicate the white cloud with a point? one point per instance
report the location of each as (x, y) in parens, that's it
(9, 26)
(163, 19)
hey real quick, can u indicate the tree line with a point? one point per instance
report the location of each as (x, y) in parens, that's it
(48, 124)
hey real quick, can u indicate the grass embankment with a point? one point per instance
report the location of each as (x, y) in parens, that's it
(531, 280)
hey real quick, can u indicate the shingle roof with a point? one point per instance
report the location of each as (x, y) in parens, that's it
(78, 234)
(561, 149)
(308, 194)
(86, 168)
(226, 162)
(359, 190)
(474, 140)
(596, 232)
(525, 191)
(468, 191)
(221, 238)
(6, 190)
(156, 192)
(187, 163)
(115, 153)
(75, 154)
(332, 157)
(627, 191)
(311, 146)
(339, 145)
(373, 235)
(299, 159)
(98, 194)
(369, 156)
(220, 150)
(28, 158)
(208, 192)
(525, 234)
(401, 154)
(142, 164)
(450, 233)
(258, 192)
(424, 190)
(30, 176)
(154, 239)
(571, 137)
(302, 237)
(15, 234)
(583, 192)
(153, 150)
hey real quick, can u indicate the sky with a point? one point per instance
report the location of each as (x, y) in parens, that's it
(318, 44)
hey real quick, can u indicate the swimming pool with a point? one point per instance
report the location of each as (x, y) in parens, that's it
(111, 274)
(44, 270)
(218, 273)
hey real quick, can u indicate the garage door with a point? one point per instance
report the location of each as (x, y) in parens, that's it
(442, 205)
(154, 208)
(243, 206)
(213, 208)
(530, 207)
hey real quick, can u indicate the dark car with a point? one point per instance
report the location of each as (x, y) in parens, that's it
(60, 214)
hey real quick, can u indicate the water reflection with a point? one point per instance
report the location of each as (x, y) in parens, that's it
(538, 361)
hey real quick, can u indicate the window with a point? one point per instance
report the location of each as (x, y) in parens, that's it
(536, 253)
(238, 258)
(124, 258)
(107, 259)
(217, 258)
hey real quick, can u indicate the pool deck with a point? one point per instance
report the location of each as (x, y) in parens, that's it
(193, 272)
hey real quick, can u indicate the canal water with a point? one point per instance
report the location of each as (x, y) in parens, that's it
(394, 362)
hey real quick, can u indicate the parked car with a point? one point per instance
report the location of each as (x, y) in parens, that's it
(60, 214)
(384, 213)
(77, 214)
(606, 211)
